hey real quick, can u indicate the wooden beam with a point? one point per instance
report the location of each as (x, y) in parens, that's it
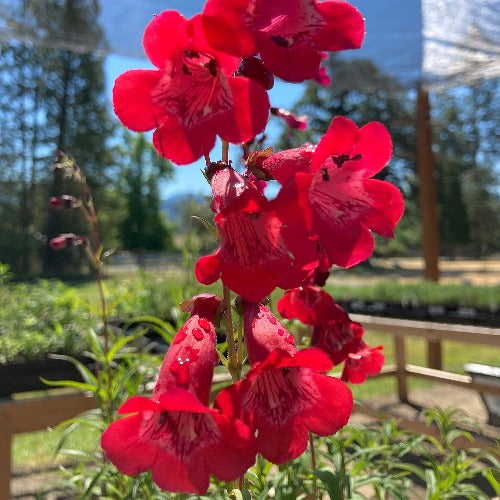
(399, 347)
(431, 331)
(427, 190)
(435, 354)
(36, 414)
(451, 378)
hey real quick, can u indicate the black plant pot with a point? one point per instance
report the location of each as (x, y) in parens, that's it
(25, 376)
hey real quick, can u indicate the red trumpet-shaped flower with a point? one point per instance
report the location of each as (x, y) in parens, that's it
(308, 304)
(175, 434)
(363, 362)
(334, 332)
(253, 258)
(289, 35)
(341, 339)
(284, 395)
(328, 190)
(192, 97)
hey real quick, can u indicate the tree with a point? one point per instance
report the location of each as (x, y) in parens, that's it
(144, 226)
(466, 125)
(54, 99)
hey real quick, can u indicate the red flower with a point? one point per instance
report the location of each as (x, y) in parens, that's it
(284, 395)
(174, 433)
(334, 332)
(329, 191)
(308, 304)
(192, 97)
(191, 358)
(365, 361)
(253, 258)
(289, 35)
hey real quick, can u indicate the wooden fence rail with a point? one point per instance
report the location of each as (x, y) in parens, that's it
(33, 414)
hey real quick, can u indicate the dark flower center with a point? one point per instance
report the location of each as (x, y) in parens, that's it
(194, 89)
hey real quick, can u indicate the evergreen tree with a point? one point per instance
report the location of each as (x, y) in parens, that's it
(144, 226)
(53, 98)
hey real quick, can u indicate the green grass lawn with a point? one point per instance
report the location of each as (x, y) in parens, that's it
(37, 449)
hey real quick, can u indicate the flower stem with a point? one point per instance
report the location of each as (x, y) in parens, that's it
(231, 346)
(225, 152)
(207, 160)
(313, 464)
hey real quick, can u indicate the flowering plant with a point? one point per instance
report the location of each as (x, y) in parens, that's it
(213, 73)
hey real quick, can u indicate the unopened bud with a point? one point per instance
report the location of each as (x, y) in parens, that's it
(292, 120)
(64, 201)
(253, 68)
(322, 77)
(67, 240)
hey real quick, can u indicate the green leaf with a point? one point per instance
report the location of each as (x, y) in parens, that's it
(493, 477)
(331, 481)
(211, 228)
(164, 329)
(86, 374)
(121, 343)
(69, 383)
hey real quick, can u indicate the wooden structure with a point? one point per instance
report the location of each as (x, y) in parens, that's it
(33, 414)
(29, 415)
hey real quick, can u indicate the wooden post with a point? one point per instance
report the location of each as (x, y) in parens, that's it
(5, 456)
(399, 347)
(428, 206)
(427, 187)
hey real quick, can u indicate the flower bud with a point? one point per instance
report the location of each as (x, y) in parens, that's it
(67, 240)
(64, 201)
(253, 68)
(292, 120)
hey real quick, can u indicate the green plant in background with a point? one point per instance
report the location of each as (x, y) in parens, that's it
(448, 472)
(40, 319)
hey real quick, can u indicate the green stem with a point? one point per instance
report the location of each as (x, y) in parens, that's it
(225, 152)
(342, 485)
(231, 346)
(313, 464)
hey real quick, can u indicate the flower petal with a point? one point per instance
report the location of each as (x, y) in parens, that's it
(224, 27)
(138, 403)
(332, 410)
(338, 139)
(124, 446)
(292, 64)
(208, 268)
(374, 145)
(282, 166)
(250, 113)
(172, 473)
(165, 38)
(344, 28)
(133, 102)
(181, 145)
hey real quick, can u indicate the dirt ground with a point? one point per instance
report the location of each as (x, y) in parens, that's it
(410, 270)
